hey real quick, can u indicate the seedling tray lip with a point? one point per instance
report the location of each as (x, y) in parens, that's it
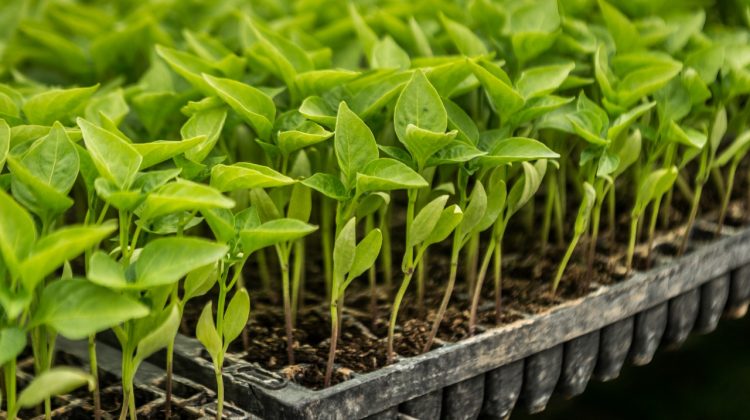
(372, 392)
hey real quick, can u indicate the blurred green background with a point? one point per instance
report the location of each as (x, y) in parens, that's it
(707, 378)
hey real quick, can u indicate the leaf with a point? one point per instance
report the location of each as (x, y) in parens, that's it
(64, 244)
(243, 175)
(236, 316)
(525, 188)
(35, 194)
(182, 195)
(160, 336)
(459, 120)
(264, 205)
(56, 104)
(207, 123)
(12, 343)
(200, 281)
(344, 250)
(584, 211)
(447, 222)
(515, 149)
(504, 99)
(206, 333)
(300, 203)
(307, 134)
(655, 185)
(386, 174)
(274, 232)
(254, 106)
(164, 261)
(105, 271)
(475, 209)
(419, 105)
(17, 233)
(328, 185)
(737, 150)
(541, 81)
(188, 66)
(365, 254)
(77, 308)
(627, 149)
(425, 221)
(114, 158)
(718, 129)
(4, 142)
(53, 159)
(353, 142)
(463, 38)
(623, 31)
(387, 54)
(422, 144)
(625, 120)
(55, 381)
(156, 152)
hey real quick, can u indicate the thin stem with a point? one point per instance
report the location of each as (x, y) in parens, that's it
(284, 265)
(298, 272)
(95, 374)
(394, 312)
(10, 388)
(476, 295)
(334, 339)
(326, 241)
(564, 263)
(219, 393)
(631, 243)
(372, 276)
(549, 203)
(595, 219)
(385, 253)
(456, 251)
(498, 266)
(691, 219)
(168, 397)
(131, 405)
(612, 208)
(727, 195)
(421, 269)
(472, 261)
(652, 229)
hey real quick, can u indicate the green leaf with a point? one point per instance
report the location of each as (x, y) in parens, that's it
(55, 381)
(387, 54)
(459, 120)
(718, 129)
(504, 99)
(160, 336)
(53, 159)
(188, 66)
(737, 150)
(12, 343)
(344, 250)
(56, 104)
(353, 142)
(463, 38)
(51, 251)
(525, 188)
(182, 195)
(156, 152)
(300, 203)
(4, 142)
(236, 316)
(419, 105)
(654, 186)
(328, 185)
(164, 261)
(264, 205)
(206, 333)
(475, 210)
(77, 308)
(114, 158)
(584, 212)
(425, 221)
(515, 149)
(627, 119)
(365, 253)
(541, 81)
(307, 134)
(105, 271)
(274, 232)
(35, 194)
(208, 123)
(627, 149)
(17, 233)
(449, 219)
(423, 144)
(243, 175)
(200, 281)
(386, 174)
(623, 31)
(254, 106)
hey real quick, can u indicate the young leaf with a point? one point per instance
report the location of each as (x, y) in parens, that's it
(515, 149)
(353, 142)
(425, 221)
(236, 315)
(584, 212)
(274, 232)
(166, 260)
(254, 106)
(655, 185)
(307, 134)
(525, 188)
(387, 54)
(423, 144)
(243, 175)
(156, 152)
(77, 308)
(160, 336)
(540, 81)
(182, 195)
(51, 251)
(206, 333)
(328, 185)
(17, 233)
(344, 250)
(447, 222)
(55, 381)
(419, 105)
(300, 203)
(623, 31)
(12, 343)
(504, 99)
(4, 142)
(388, 174)
(365, 253)
(463, 38)
(53, 159)
(56, 104)
(475, 210)
(115, 159)
(35, 194)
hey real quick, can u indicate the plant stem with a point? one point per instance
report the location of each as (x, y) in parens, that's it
(498, 265)
(298, 272)
(371, 276)
(727, 195)
(652, 229)
(265, 275)
(326, 241)
(10, 388)
(612, 208)
(394, 312)
(385, 254)
(477, 293)
(691, 219)
(472, 261)
(95, 373)
(456, 251)
(332, 346)
(420, 285)
(565, 260)
(284, 265)
(168, 385)
(219, 393)
(595, 219)
(631, 243)
(549, 203)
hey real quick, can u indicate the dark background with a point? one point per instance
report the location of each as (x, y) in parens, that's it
(707, 378)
